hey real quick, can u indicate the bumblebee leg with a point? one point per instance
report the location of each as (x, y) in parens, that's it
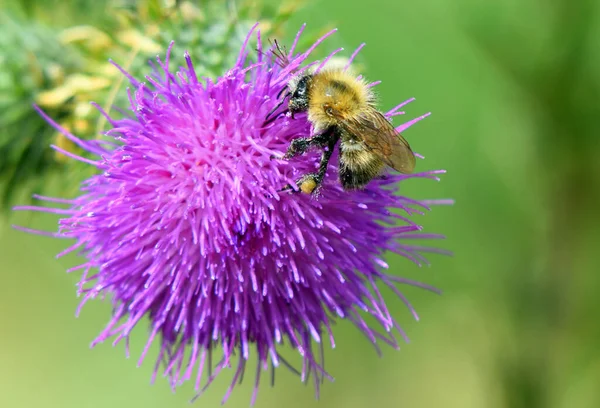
(300, 145)
(325, 157)
(311, 183)
(306, 184)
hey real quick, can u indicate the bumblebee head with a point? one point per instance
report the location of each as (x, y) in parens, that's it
(297, 91)
(299, 95)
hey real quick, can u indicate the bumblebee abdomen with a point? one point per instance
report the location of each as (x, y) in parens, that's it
(358, 165)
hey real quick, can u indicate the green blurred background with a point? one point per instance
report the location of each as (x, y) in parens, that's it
(514, 87)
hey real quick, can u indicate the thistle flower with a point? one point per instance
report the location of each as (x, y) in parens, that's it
(185, 225)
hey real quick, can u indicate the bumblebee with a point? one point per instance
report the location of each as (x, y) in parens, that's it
(341, 108)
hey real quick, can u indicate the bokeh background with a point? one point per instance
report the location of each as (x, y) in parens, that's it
(514, 87)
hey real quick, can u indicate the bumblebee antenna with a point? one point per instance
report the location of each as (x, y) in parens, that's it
(282, 91)
(268, 118)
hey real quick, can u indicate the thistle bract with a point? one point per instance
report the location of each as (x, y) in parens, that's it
(185, 225)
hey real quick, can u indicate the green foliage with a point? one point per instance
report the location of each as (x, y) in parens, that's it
(32, 60)
(64, 70)
(554, 71)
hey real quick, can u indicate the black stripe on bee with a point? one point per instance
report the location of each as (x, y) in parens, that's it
(338, 85)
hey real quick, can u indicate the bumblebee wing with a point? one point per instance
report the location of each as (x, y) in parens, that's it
(381, 138)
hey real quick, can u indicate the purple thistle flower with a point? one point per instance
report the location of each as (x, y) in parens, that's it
(184, 224)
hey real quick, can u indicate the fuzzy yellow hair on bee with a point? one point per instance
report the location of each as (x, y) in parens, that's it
(336, 91)
(341, 107)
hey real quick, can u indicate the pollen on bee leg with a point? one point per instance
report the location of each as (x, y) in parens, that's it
(308, 186)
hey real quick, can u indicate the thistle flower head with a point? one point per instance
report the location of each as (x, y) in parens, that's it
(185, 225)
